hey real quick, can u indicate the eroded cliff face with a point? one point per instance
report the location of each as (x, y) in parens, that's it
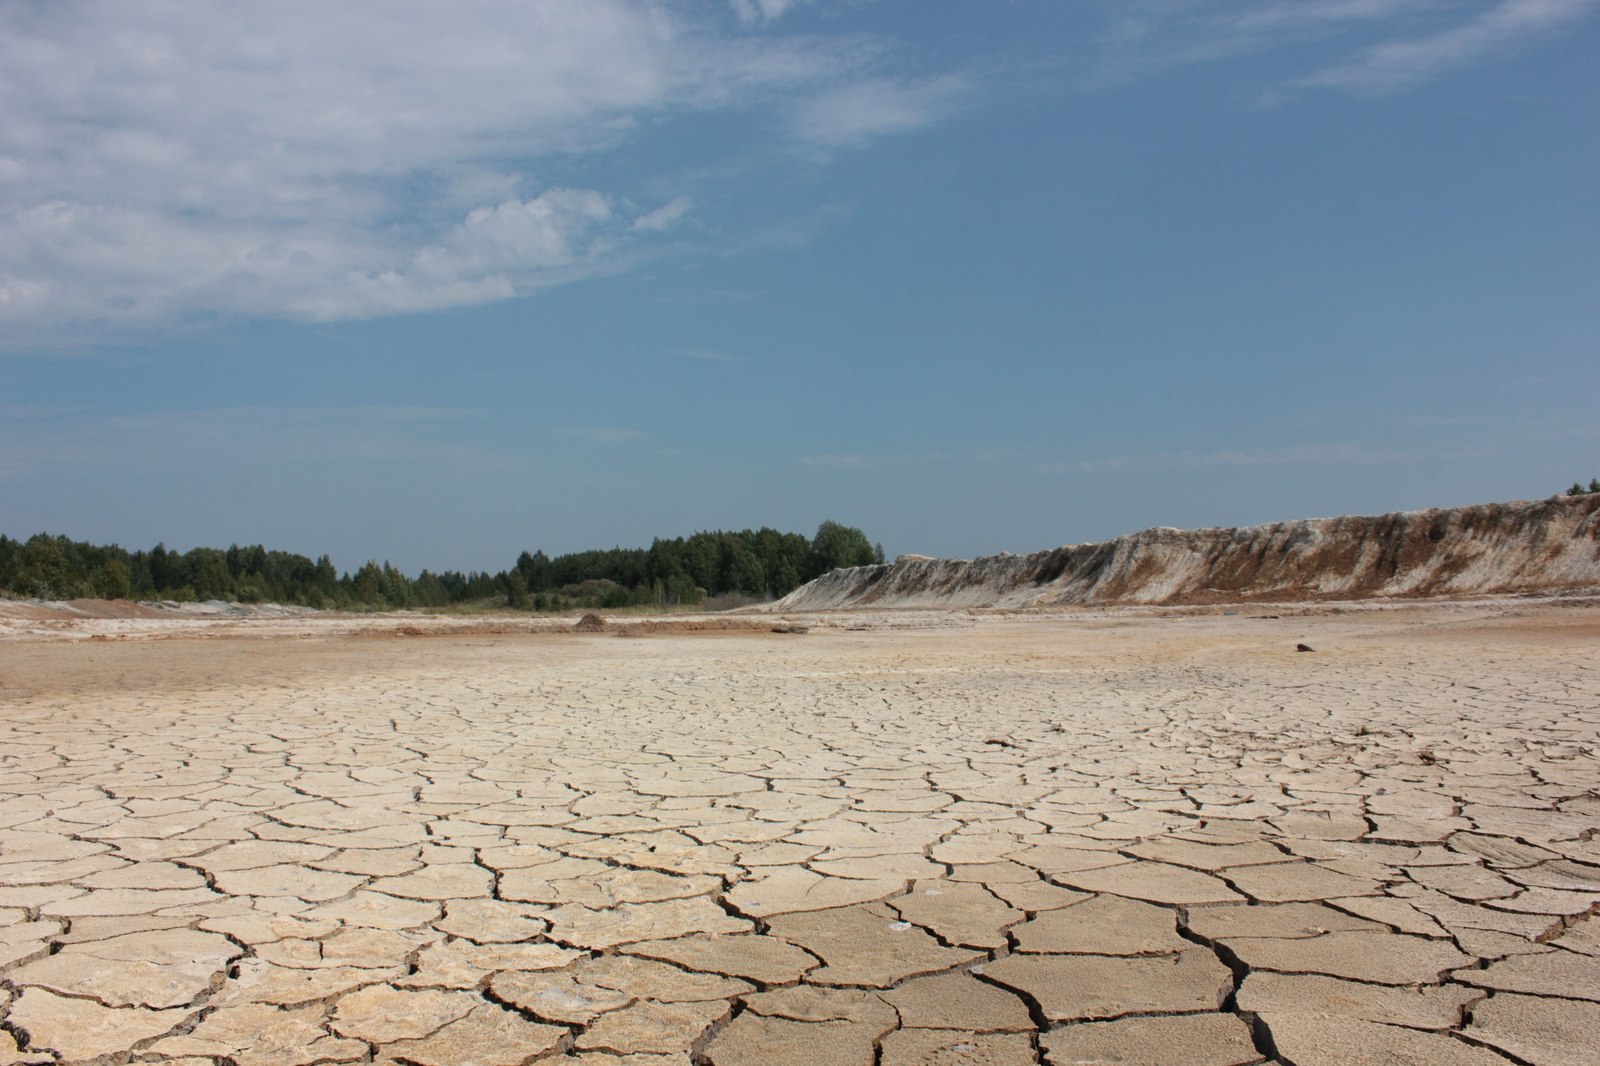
(1550, 545)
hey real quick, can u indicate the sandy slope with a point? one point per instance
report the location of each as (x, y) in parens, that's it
(1467, 551)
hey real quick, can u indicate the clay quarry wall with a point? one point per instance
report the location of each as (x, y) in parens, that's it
(1550, 545)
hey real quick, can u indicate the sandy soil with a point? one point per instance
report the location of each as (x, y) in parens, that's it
(920, 837)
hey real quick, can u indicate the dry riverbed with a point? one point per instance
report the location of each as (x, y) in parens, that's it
(931, 837)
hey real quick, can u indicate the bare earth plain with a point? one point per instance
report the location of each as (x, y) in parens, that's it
(921, 837)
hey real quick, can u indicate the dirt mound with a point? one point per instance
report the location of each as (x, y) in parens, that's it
(111, 609)
(665, 626)
(591, 623)
(71, 609)
(1551, 545)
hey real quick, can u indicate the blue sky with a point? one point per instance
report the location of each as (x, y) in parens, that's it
(435, 283)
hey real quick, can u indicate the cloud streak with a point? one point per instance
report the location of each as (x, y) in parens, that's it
(864, 461)
(866, 109)
(1383, 45)
(1395, 64)
(603, 434)
(235, 438)
(1299, 455)
(757, 12)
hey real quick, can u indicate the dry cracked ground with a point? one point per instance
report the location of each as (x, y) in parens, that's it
(1113, 838)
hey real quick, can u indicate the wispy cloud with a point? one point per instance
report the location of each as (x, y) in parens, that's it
(238, 438)
(1396, 64)
(842, 461)
(603, 434)
(1382, 45)
(38, 412)
(785, 234)
(1299, 455)
(863, 460)
(758, 12)
(664, 217)
(1147, 36)
(1283, 16)
(874, 107)
(708, 296)
(168, 163)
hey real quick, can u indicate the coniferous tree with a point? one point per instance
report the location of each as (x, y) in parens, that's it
(671, 572)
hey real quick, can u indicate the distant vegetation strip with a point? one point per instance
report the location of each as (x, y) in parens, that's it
(758, 564)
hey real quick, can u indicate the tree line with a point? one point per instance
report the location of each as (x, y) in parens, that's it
(762, 563)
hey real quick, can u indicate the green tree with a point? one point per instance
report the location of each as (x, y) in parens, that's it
(112, 582)
(253, 587)
(681, 570)
(144, 586)
(396, 586)
(10, 551)
(517, 591)
(43, 568)
(212, 581)
(429, 591)
(681, 589)
(165, 573)
(836, 546)
(327, 578)
(367, 587)
(786, 580)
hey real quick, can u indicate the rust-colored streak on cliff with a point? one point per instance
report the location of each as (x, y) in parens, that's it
(1547, 546)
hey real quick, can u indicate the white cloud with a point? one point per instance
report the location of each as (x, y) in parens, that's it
(162, 161)
(1383, 44)
(756, 12)
(1147, 36)
(1395, 64)
(96, 261)
(664, 217)
(495, 253)
(874, 107)
(1284, 15)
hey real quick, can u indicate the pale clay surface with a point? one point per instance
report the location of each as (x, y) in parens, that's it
(901, 838)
